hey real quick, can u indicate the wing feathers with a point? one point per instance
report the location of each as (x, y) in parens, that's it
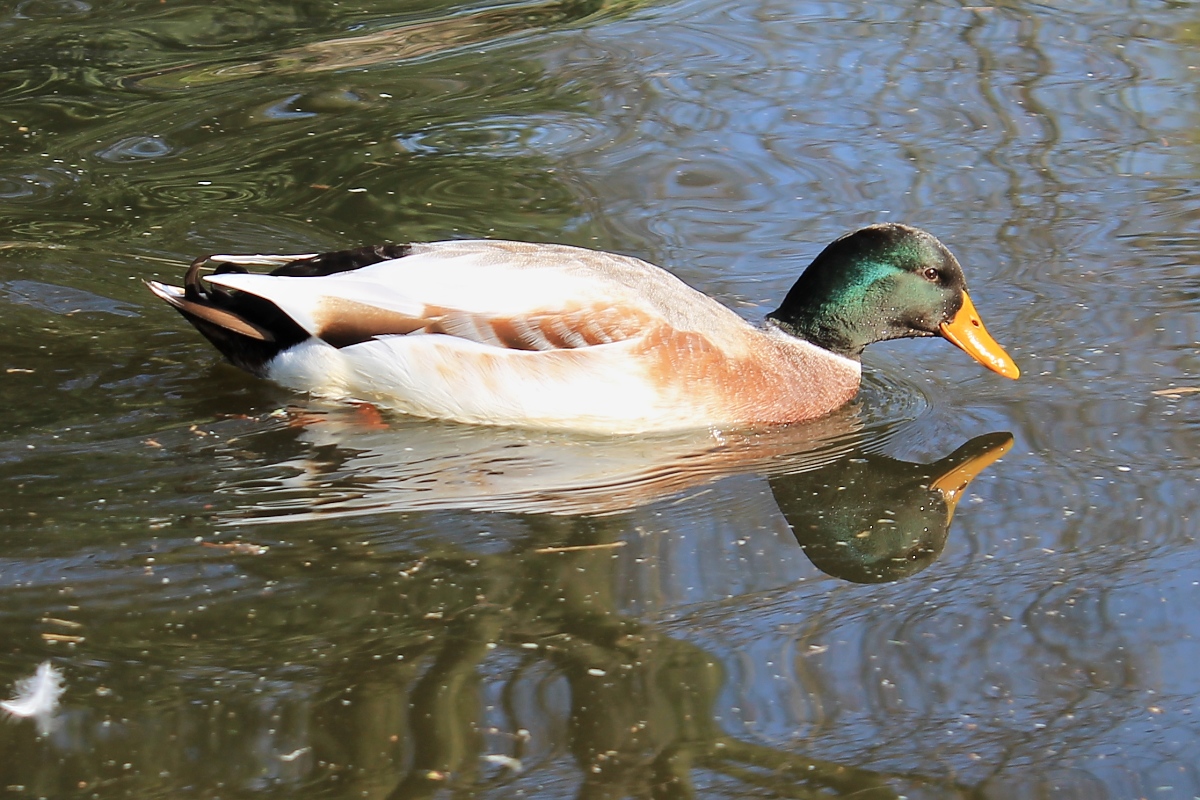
(504, 295)
(259, 260)
(342, 322)
(345, 310)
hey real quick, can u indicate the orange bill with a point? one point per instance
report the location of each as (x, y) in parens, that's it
(952, 483)
(966, 331)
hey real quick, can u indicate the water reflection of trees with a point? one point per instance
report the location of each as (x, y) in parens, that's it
(641, 717)
(437, 35)
(404, 690)
(398, 666)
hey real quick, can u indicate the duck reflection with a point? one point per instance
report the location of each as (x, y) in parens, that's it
(353, 462)
(873, 519)
(858, 515)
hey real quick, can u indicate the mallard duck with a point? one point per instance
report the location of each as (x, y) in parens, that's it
(546, 335)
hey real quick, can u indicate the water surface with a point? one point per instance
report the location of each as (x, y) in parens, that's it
(254, 594)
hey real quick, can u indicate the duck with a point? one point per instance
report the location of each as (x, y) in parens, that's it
(552, 336)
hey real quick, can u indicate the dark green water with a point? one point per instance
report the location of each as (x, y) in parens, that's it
(628, 618)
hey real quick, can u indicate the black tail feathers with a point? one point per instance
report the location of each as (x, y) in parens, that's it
(249, 330)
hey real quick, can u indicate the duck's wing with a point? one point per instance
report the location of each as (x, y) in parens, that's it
(504, 294)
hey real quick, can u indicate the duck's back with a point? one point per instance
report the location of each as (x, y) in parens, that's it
(498, 282)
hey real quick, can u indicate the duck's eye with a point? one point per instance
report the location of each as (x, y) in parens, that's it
(932, 274)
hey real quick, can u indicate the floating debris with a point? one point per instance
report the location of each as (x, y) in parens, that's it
(64, 623)
(292, 756)
(508, 762)
(241, 548)
(575, 548)
(37, 696)
(62, 637)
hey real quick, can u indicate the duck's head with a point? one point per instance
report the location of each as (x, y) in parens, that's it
(885, 282)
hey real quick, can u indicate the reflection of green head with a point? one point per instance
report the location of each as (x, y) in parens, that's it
(881, 282)
(873, 519)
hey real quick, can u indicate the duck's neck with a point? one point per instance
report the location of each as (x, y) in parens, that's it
(823, 332)
(835, 311)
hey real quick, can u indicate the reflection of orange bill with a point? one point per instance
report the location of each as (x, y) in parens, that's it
(966, 331)
(952, 483)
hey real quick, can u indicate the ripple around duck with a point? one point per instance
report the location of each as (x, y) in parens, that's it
(887, 402)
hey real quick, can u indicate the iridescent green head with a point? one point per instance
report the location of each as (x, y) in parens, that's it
(883, 282)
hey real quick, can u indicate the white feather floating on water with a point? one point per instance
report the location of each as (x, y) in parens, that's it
(37, 696)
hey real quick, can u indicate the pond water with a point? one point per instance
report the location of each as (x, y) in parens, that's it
(250, 593)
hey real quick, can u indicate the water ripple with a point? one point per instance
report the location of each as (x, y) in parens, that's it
(137, 148)
(284, 109)
(503, 137)
(36, 186)
(50, 9)
(61, 299)
(181, 192)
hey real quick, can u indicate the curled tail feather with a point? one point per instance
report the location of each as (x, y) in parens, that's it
(249, 330)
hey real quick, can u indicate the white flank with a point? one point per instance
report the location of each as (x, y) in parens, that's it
(449, 378)
(37, 696)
